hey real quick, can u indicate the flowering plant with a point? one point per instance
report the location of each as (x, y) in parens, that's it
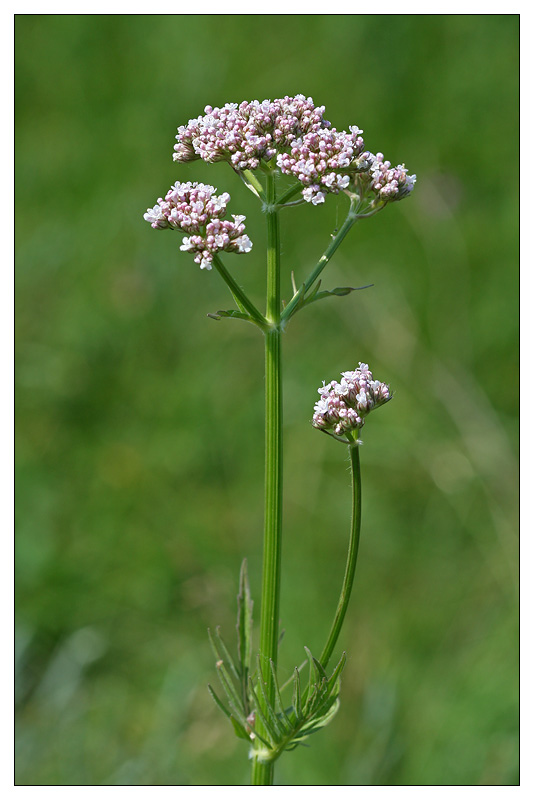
(262, 141)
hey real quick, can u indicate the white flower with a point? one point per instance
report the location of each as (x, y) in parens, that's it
(155, 217)
(244, 245)
(187, 244)
(362, 399)
(205, 263)
(321, 406)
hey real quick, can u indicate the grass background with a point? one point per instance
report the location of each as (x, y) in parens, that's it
(139, 420)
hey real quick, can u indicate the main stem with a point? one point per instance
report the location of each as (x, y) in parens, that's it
(352, 555)
(262, 772)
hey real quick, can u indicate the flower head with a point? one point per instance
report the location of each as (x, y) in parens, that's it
(322, 161)
(390, 183)
(293, 131)
(247, 133)
(343, 406)
(194, 208)
(380, 183)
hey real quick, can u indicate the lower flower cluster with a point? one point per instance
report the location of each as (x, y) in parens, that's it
(194, 208)
(343, 406)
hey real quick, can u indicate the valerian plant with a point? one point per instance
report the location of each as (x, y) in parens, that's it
(261, 142)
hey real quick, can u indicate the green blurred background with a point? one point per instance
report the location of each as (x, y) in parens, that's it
(139, 420)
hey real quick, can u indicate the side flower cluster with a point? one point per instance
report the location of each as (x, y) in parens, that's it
(194, 208)
(390, 183)
(319, 160)
(343, 406)
(294, 131)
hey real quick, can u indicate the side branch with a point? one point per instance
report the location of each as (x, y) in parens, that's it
(352, 555)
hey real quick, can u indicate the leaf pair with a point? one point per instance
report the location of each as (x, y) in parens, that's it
(234, 676)
(284, 726)
(312, 707)
(316, 706)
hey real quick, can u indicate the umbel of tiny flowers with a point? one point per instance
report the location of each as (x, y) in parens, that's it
(194, 208)
(344, 406)
(380, 184)
(292, 134)
(248, 133)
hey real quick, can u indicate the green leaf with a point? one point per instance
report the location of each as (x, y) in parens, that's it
(319, 722)
(221, 652)
(315, 295)
(320, 669)
(316, 683)
(314, 291)
(232, 314)
(340, 291)
(269, 728)
(274, 720)
(297, 707)
(316, 669)
(252, 183)
(221, 705)
(281, 710)
(298, 296)
(334, 680)
(239, 730)
(233, 700)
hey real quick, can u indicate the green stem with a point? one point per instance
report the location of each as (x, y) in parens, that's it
(351, 218)
(352, 555)
(239, 296)
(291, 192)
(262, 773)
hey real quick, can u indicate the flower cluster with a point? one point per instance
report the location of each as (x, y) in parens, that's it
(319, 160)
(194, 208)
(292, 129)
(293, 133)
(248, 133)
(390, 183)
(344, 406)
